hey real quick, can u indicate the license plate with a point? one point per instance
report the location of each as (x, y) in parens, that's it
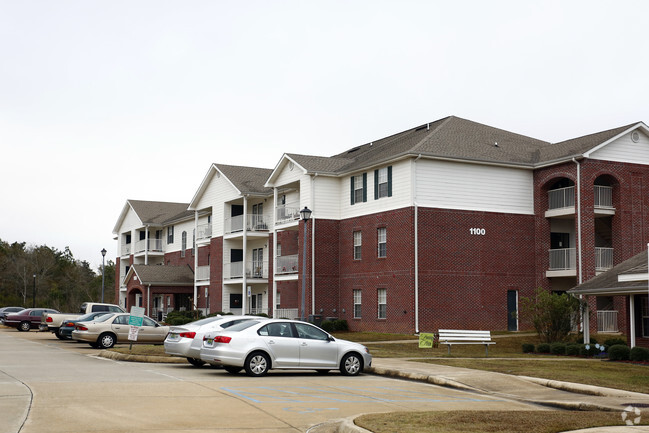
(209, 341)
(174, 337)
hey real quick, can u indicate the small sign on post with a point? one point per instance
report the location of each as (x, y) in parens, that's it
(135, 320)
(426, 340)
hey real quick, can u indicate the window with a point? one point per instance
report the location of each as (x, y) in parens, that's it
(310, 332)
(644, 302)
(383, 183)
(382, 242)
(357, 304)
(359, 188)
(279, 250)
(194, 242)
(170, 235)
(183, 244)
(278, 300)
(383, 303)
(357, 245)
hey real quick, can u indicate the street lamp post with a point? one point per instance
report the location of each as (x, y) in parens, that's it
(103, 256)
(34, 293)
(305, 214)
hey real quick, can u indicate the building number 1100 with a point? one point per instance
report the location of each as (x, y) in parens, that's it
(477, 231)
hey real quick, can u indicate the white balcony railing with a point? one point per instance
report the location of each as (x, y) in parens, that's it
(287, 212)
(233, 270)
(563, 259)
(150, 245)
(203, 273)
(561, 198)
(253, 223)
(286, 264)
(603, 258)
(603, 196)
(607, 321)
(204, 231)
(126, 249)
(257, 270)
(286, 313)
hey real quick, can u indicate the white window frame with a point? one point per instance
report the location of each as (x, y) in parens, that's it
(358, 296)
(382, 301)
(382, 241)
(358, 189)
(383, 182)
(358, 242)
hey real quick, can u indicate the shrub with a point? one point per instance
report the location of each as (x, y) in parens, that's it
(572, 349)
(551, 314)
(327, 325)
(613, 341)
(558, 348)
(543, 348)
(588, 350)
(619, 352)
(341, 325)
(528, 348)
(639, 354)
(175, 318)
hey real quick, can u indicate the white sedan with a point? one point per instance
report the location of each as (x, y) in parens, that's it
(186, 340)
(261, 345)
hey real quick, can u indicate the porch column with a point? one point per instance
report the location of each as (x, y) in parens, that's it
(632, 321)
(585, 321)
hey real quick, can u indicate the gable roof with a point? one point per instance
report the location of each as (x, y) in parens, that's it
(246, 180)
(613, 281)
(161, 275)
(154, 213)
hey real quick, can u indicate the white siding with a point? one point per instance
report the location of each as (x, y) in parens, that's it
(326, 203)
(401, 192)
(451, 185)
(219, 191)
(286, 175)
(625, 150)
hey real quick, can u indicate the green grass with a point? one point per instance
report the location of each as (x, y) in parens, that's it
(488, 421)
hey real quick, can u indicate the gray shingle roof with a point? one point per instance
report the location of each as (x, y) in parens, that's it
(248, 180)
(607, 282)
(164, 275)
(159, 212)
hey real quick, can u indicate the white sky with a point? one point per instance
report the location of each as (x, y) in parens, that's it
(104, 101)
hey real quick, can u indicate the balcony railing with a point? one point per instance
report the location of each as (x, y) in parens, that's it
(286, 264)
(561, 198)
(257, 270)
(126, 249)
(607, 321)
(603, 197)
(603, 258)
(204, 231)
(286, 313)
(233, 270)
(253, 223)
(287, 212)
(203, 273)
(563, 259)
(150, 245)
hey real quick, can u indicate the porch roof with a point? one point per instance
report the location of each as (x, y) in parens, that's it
(161, 275)
(628, 278)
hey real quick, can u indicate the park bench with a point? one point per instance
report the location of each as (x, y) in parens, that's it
(458, 336)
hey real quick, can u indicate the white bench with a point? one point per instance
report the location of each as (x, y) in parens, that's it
(459, 336)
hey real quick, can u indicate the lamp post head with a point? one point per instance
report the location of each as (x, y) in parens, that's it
(103, 252)
(305, 214)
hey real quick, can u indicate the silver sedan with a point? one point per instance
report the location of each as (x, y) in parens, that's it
(259, 346)
(186, 340)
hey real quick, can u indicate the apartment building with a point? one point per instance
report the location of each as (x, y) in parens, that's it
(446, 224)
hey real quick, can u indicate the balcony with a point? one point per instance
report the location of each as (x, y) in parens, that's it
(603, 259)
(607, 321)
(203, 273)
(563, 263)
(603, 202)
(257, 270)
(232, 270)
(286, 264)
(204, 232)
(561, 202)
(126, 250)
(149, 245)
(254, 223)
(287, 213)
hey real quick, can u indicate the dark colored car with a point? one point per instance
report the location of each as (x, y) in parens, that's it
(27, 319)
(67, 326)
(4, 311)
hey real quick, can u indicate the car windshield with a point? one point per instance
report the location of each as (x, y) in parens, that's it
(89, 316)
(104, 317)
(25, 311)
(206, 320)
(243, 325)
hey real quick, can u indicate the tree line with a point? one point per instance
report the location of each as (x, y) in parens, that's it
(43, 276)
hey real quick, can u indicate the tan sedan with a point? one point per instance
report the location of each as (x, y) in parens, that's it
(105, 331)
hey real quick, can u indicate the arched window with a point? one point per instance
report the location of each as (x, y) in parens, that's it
(183, 246)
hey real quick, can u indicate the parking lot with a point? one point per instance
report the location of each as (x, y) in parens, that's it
(48, 385)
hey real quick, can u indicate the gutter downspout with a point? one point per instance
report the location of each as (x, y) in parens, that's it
(313, 246)
(585, 318)
(195, 260)
(244, 300)
(416, 246)
(146, 244)
(274, 304)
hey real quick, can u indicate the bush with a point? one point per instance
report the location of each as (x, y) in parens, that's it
(613, 341)
(176, 318)
(588, 350)
(339, 325)
(551, 314)
(543, 348)
(572, 349)
(639, 354)
(619, 352)
(528, 348)
(558, 349)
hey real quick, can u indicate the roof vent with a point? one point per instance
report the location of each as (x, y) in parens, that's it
(353, 150)
(635, 136)
(496, 144)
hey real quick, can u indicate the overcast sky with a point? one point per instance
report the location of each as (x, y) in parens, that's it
(104, 101)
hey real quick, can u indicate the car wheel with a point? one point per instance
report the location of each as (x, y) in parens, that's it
(24, 326)
(106, 340)
(232, 370)
(351, 364)
(257, 364)
(196, 362)
(59, 335)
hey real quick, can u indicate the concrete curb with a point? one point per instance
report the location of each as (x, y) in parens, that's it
(116, 356)
(583, 389)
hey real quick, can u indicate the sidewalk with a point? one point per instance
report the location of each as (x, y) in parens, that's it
(562, 395)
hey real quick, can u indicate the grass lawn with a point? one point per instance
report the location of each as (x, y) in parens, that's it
(488, 421)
